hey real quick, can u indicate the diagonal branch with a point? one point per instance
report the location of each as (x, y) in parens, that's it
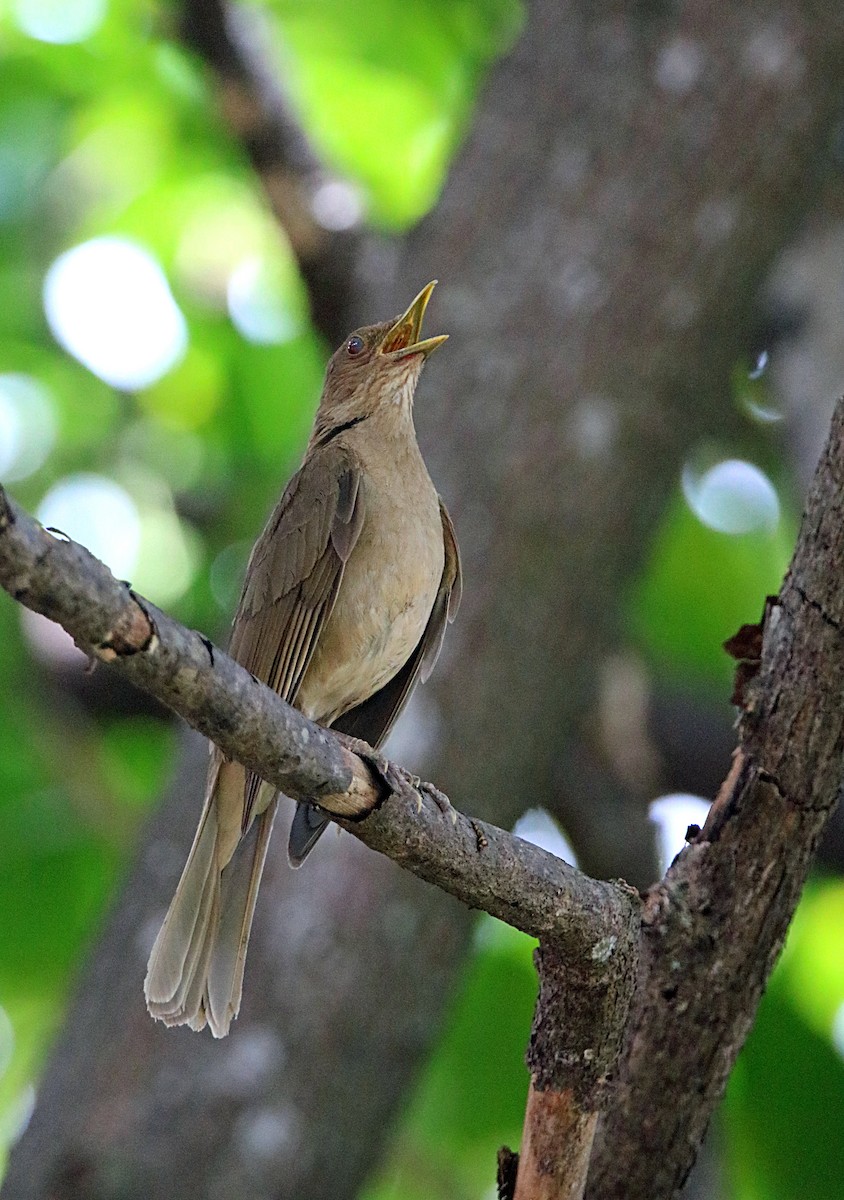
(316, 210)
(479, 864)
(714, 926)
(588, 930)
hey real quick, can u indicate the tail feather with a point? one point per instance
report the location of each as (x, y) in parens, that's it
(192, 1009)
(239, 891)
(306, 829)
(195, 972)
(173, 959)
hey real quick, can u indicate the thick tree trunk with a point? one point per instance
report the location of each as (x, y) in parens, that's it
(631, 173)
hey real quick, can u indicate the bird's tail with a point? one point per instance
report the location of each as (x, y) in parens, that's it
(306, 829)
(195, 971)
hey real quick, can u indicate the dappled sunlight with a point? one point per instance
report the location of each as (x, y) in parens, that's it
(100, 514)
(338, 205)
(838, 1030)
(257, 304)
(135, 530)
(61, 22)
(754, 395)
(539, 827)
(168, 557)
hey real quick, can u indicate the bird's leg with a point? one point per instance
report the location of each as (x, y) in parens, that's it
(396, 778)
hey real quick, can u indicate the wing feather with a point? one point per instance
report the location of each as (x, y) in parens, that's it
(374, 718)
(295, 573)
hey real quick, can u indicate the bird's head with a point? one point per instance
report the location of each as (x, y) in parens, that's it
(376, 366)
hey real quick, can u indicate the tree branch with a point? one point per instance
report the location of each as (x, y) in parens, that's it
(587, 927)
(235, 45)
(714, 926)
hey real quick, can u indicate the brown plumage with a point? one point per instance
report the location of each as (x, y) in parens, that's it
(344, 607)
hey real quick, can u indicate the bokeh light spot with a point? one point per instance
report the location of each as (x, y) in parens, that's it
(256, 305)
(100, 514)
(61, 22)
(27, 426)
(838, 1030)
(732, 497)
(672, 815)
(761, 366)
(338, 205)
(109, 304)
(7, 1041)
(540, 828)
(170, 553)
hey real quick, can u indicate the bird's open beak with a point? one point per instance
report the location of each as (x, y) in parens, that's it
(403, 338)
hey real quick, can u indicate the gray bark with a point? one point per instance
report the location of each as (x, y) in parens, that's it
(630, 176)
(713, 928)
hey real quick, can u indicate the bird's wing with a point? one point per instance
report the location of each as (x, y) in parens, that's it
(374, 718)
(294, 575)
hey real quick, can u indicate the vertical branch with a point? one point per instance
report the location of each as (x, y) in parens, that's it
(556, 1147)
(579, 1023)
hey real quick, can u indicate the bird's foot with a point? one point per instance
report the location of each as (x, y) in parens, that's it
(357, 745)
(396, 778)
(439, 798)
(422, 788)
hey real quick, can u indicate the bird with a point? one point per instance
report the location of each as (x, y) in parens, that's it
(343, 610)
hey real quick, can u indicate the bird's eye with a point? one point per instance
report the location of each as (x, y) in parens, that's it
(354, 345)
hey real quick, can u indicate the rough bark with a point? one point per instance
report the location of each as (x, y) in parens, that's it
(713, 927)
(716, 924)
(630, 176)
(588, 930)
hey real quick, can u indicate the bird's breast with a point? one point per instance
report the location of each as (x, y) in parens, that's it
(385, 599)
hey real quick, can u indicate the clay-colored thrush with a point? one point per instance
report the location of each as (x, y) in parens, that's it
(343, 609)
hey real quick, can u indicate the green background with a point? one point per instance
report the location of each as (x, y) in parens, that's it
(117, 134)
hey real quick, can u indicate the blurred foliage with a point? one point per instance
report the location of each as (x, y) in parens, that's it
(472, 1097)
(784, 1103)
(386, 89)
(108, 127)
(698, 587)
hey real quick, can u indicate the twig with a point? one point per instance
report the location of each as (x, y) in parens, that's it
(235, 45)
(556, 1147)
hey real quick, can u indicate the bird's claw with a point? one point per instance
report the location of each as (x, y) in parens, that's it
(403, 783)
(416, 785)
(439, 798)
(357, 746)
(398, 779)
